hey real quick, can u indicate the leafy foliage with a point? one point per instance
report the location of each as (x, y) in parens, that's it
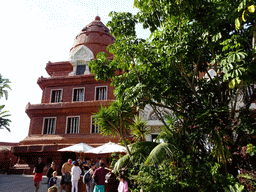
(4, 86)
(200, 63)
(4, 122)
(139, 153)
(138, 129)
(115, 120)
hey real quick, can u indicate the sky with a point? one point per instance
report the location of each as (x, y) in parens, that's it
(34, 32)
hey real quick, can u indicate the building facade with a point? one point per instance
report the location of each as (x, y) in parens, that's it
(70, 98)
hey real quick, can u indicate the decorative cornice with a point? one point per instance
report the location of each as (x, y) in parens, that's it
(54, 109)
(63, 66)
(68, 80)
(54, 142)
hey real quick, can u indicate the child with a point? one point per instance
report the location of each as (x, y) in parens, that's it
(53, 180)
(123, 185)
(53, 189)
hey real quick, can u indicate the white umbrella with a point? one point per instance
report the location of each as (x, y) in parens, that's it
(80, 147)
(107, 148)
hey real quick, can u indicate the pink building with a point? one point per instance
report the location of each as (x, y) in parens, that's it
(70, 97)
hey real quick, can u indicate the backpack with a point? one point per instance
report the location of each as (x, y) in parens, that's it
(67, 178)
(86, 177)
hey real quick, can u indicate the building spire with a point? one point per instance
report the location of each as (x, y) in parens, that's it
(97, 17)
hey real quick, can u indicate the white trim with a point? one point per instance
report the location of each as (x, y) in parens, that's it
(81, 55)
(77, 122)
(95, 93)
(87, 56)
(73, 94)
(54, 126)
(61, 93)
(91, 124)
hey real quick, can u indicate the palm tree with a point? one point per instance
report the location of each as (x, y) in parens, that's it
(115, 120)
(139, 154)
(153, 153)
(4, 122)
(4, 85)
(139, 129)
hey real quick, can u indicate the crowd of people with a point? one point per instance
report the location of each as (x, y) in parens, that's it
(96, 176)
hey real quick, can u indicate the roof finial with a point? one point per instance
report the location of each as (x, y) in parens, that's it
(97, 17)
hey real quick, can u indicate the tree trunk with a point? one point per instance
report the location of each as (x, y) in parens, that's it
(126, 146)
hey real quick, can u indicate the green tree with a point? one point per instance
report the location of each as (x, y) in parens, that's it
(4, 86)
(139, 129)
(197, 63)
(4, 121)
(115, 120)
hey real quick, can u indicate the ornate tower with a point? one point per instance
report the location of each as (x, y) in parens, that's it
(70, 97)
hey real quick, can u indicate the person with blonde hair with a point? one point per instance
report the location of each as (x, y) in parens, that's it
(50, 171)
(53, 189)
(53, 179)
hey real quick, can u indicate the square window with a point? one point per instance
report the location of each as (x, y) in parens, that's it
(49, 125)
(56, 96)
(80, 69)
(101, 93)
(72, 125)
(78, 94)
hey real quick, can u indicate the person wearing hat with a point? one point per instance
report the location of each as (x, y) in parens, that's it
(86, 165)
(75, 176)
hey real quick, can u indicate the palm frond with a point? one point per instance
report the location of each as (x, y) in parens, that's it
(123, 161)
(160, 153)
(4, 122)
(4, 85)
(139, 153)
(143, 147)
(139, 129)
(220, 149)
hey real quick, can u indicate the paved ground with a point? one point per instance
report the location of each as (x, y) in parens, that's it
(21, 183)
